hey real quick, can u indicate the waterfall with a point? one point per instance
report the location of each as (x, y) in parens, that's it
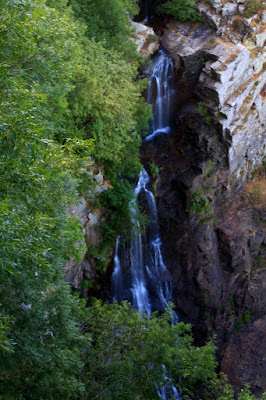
(146, 11)
(140, 274)
(148, 285)
(161, 94)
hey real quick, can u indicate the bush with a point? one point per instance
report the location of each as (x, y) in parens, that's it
(152, 38)
(253, 7)
(203, 111)
(182, 10)
(128, 354)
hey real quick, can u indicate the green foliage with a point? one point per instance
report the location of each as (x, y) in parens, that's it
(46, 360)
(200, 206)
(220, 389)
(106, 105)
(152, 38)
(128, 354)
(202, 110)
(102, 252)
(246, 318)
(40, 56)
(107, 22)
(118, 218)
(86, 283)
(253, 7)
(245, 394)
(5, 343)
(154, 170)
(181, 10)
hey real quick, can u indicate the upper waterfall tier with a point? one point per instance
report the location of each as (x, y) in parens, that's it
(161, 94)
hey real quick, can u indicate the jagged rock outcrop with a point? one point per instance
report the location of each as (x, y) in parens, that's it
(230, 79)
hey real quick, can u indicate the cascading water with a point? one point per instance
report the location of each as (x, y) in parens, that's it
(140, 274)
(146, 11)
(161, 93)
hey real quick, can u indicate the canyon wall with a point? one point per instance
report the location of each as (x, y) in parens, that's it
(211, 188)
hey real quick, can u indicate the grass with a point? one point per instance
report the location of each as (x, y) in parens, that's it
(253, 7)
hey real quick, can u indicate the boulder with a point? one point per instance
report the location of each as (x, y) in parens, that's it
(260, 39)
(229, 9)
(145, 39)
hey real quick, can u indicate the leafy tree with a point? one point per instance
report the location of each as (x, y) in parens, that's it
(181, 10)
(107, 22)
(220, 389)
(40, 55)
(5, 344)
(128, 353)
(46, 360)
(48, 71)
(107, 105)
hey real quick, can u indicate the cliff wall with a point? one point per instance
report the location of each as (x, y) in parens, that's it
(211, 184)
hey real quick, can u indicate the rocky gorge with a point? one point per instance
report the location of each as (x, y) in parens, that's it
(210, 186)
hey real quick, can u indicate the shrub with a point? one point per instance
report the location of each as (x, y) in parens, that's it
(253, 7)
(152, 38)
(128, 354)
(182, 10)
(202, 110)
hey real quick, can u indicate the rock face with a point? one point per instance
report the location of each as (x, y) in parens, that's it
(145, 39)
(245, 355)
(230, 79)
(211, 204)
(90, 218)
(216, 251)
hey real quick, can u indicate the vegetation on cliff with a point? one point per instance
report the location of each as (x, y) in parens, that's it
(68, 90)
(181, 10)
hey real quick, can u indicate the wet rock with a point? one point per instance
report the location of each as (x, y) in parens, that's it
(213, 256)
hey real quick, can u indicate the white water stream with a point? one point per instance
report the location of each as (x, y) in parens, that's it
(161, 94)
(140, 274)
